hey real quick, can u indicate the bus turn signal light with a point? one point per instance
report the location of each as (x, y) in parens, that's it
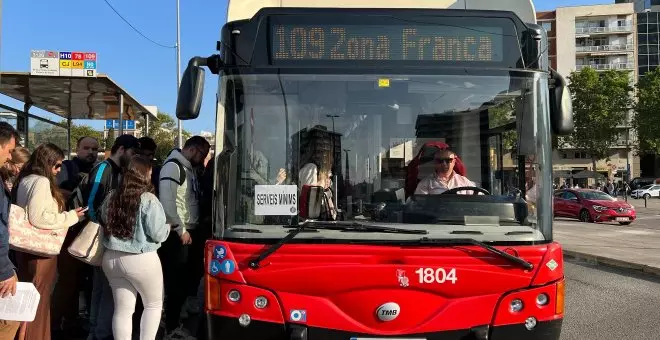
(559, 305)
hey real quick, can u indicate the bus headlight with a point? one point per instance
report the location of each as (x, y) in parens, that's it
(234, 295)
(542, 299)
(516, 306)
(261, 302)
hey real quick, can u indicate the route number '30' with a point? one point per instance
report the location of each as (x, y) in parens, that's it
(440, 275)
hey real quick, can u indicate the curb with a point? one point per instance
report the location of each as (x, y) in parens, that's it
(611, 262)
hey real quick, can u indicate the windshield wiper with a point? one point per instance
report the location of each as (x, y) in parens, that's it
(316, 225)
(458, 241)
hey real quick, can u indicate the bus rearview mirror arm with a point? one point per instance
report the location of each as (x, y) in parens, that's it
(191, 89)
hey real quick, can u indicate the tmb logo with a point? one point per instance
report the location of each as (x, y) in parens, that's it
(388, 311)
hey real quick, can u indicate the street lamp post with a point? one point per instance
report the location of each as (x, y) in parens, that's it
(178, 74)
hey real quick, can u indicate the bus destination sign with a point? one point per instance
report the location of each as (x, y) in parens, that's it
(439, 43)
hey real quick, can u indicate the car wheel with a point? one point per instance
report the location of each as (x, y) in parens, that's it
(584, 216)
(624, 223)
(647, 196)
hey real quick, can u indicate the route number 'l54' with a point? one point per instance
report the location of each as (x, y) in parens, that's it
(439, 275)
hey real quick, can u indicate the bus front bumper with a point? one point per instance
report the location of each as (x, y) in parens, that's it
(220, 327)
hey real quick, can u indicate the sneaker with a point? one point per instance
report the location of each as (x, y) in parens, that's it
(179, 334)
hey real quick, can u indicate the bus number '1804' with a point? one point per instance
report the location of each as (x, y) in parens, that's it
(439, 275)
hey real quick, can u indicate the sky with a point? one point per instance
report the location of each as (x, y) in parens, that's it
(143, 69)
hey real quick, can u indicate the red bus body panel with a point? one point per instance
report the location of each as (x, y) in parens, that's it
(340, 287)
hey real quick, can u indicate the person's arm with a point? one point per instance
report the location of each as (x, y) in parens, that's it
(153, 219)
(168, 192)
(43, 212)
(422, 187)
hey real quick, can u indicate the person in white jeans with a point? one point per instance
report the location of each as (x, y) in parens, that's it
(134, 228)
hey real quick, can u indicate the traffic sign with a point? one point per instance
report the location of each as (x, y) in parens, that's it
(114, 124)
(63, 64)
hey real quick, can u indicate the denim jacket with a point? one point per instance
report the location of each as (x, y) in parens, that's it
(150, 229)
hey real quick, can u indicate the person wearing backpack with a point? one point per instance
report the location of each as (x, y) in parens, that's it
(74, 275)
(179, 194)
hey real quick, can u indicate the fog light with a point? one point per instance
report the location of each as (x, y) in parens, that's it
(516, 306)
(234, 295)
(261, 302)
(530, 323)
(542, 300)
(244, 320)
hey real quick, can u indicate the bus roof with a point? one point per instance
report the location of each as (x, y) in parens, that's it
(246, 9)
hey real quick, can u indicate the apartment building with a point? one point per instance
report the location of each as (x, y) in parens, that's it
(642, 5)
(601, 37)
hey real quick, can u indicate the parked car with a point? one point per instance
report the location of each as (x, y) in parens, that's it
(652, 190)
(592, 206)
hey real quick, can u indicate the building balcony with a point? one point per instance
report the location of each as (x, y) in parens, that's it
(623, 48)
(602, 67)
(603, 30)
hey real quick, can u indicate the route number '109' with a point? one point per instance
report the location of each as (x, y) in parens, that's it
(439, 275)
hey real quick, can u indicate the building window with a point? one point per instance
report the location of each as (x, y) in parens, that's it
(547, 25)
(581, 155)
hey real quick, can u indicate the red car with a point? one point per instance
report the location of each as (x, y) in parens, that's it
(592, 206)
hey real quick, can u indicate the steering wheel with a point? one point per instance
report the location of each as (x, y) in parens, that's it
(475, 191)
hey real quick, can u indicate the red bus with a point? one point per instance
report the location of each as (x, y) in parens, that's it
(383, 173)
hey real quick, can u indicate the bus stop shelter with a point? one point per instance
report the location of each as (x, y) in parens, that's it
(90, 98)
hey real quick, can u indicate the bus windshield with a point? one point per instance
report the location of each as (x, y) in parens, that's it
(456, 154)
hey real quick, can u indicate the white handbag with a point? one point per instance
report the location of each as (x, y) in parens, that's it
(88, 245)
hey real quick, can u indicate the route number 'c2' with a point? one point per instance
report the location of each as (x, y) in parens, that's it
(439, 275)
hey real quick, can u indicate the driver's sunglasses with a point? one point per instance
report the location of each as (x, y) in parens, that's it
(444, 160)
(58, 165)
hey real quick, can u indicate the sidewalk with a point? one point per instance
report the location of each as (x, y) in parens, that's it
(636, 246)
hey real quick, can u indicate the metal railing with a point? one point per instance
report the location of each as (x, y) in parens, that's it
(614, 66)
(613, 29)
(605, 48)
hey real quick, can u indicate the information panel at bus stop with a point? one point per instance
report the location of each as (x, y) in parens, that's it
(63, 63)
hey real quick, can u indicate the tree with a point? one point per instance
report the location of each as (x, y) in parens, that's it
(600, 104)
(164, 133)
(109, 139)
(501, 115)
(79, 131)
(43, 132)
(647, 116)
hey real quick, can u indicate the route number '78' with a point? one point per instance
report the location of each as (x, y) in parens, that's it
(439, 275)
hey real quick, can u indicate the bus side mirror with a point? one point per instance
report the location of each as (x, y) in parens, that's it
(561, 107)
(191, 90)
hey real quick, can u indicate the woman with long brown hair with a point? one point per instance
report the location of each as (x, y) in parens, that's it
(134, 225)
(35, 190)
(13, 167)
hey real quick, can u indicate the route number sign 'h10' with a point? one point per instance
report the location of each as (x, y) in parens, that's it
(63, 63)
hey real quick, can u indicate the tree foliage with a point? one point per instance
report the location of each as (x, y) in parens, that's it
(500, 116)
(164, 133)
(600, 103)
(647, 116)
(43, 132)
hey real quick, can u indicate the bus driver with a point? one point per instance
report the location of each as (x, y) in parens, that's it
(444, 177)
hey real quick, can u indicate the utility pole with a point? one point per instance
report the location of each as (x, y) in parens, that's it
(178, 74)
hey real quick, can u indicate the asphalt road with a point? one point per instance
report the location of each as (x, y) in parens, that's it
(604, 303)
